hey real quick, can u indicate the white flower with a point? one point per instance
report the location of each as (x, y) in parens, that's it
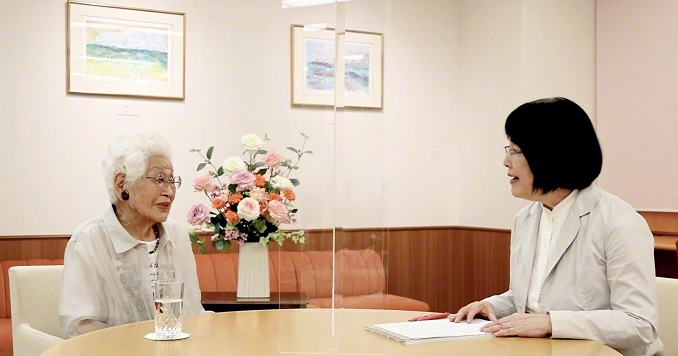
(233, 164)
(248, 209)
(280, 182)
(252, 142)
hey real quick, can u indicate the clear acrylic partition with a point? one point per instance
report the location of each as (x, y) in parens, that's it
(342, 196)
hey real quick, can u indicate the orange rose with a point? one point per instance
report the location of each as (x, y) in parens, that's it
(234, 198)
(232, 216)
(289, 194)
(259, 181)
(218, 203)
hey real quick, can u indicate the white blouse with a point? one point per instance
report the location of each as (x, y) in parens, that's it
(107, 276)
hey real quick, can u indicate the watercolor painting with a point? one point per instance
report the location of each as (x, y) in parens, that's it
(115, 50)
(319, 65)
(316, 74)
(357, 68)
(126, 52)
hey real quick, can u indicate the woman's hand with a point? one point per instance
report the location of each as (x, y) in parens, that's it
(485, 309)
(525, 325)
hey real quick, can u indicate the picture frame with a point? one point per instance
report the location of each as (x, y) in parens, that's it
(315, 76)
(114, 50)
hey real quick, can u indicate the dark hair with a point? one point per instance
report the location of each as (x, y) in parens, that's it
(559, 143)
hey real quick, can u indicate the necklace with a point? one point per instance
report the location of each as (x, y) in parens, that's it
(157, 239)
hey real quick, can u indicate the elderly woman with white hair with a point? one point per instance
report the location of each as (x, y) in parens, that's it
(111, 261)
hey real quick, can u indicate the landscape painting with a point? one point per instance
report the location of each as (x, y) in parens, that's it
(319, 64)
(357, 67)
(316, 74)
(116, 50)
(126, 52)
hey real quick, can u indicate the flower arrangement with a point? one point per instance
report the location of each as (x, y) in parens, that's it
(251, 197)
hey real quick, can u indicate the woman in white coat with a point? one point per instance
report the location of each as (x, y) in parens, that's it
(111, 261)
(582, 260)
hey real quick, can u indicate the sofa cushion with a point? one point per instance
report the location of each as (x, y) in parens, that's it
(6, 337)
(359, 272)
(314, 272)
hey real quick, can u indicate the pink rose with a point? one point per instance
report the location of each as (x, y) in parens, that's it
(203, 183)
(244, 180)
(248, 209)
(198, 215)
(258, 194)
(272, 159)
(278, 212)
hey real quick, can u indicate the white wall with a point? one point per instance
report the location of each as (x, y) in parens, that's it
(453, 70)
(513, 52)
(637, 106)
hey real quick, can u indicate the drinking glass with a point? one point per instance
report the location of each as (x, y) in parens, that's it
(169, 306)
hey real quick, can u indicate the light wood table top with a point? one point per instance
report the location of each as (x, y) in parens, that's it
(303, 331)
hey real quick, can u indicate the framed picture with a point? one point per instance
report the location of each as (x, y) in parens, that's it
(315, 75)
(116, 50)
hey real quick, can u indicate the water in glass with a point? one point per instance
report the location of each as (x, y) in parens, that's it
(169, 305)
(168, 315)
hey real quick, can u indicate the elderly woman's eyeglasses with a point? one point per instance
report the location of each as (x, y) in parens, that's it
(173, 182)
(511, 151)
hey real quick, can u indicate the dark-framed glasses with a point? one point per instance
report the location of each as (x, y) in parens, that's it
(511, 151)
(161, 182)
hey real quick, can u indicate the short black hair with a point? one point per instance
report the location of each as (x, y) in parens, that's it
(558, 141)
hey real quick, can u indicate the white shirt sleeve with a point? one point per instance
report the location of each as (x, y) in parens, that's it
(82, 297)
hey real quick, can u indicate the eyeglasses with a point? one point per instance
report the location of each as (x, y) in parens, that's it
(512, 151)
(173, 182)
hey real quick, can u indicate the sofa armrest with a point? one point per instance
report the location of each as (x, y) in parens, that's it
(29, 341)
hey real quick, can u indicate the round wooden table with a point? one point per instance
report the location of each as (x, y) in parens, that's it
(303, 331)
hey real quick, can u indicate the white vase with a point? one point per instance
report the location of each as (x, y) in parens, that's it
(253, 271)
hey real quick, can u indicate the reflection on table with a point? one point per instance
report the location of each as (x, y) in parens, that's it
(300, 332)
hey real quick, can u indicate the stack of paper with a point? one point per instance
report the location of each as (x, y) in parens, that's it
(429, 330)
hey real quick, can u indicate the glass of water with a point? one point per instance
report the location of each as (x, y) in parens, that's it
(169, 306)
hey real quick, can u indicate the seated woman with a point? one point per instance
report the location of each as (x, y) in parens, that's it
(111, 261)
(582, 260)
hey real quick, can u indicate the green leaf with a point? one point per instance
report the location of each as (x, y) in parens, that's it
(201, 166)
(193, 237)
(220, 171)
(295, 182)
(260, 225)
(262, 152)
(209, 152)
(257, 165)
(309, 152)
(293, 211)
(194, 150)
(293, 150)
(219, 245)
(202, 249)
(262, 171)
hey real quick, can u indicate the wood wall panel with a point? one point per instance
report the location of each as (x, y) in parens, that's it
(661, 222)
(32, 247)
(447, 267)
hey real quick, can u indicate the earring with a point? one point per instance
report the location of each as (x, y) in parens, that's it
(124, 195)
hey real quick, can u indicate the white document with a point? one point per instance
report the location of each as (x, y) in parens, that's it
(412, 332)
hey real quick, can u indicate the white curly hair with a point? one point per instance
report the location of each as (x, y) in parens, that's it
(129, 155)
